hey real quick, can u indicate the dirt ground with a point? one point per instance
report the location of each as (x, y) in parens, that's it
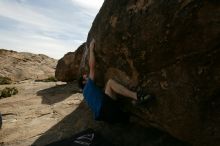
(36, 108)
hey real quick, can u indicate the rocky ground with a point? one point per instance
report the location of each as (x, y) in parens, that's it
(36, 108)
(45, 112)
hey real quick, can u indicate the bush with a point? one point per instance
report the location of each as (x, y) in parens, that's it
(8, 92)
(5, 80)
(50, 79)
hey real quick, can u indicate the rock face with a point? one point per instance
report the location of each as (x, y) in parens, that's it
(22, 66)
(172, 49)
(68, 67)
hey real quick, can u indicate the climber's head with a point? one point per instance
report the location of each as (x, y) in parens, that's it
(82, 80)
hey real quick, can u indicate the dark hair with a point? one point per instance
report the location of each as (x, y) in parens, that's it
(80, 82)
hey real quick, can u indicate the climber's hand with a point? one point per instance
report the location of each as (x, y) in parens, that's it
(92, 44)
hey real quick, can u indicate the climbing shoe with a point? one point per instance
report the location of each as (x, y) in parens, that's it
(142, 96)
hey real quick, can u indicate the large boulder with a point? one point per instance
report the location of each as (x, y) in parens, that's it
(172, 49)
(69, 67)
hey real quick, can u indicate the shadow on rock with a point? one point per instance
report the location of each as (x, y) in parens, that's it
(118, 134)
(57, 93)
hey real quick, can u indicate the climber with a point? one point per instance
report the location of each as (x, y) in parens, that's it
(103, 104)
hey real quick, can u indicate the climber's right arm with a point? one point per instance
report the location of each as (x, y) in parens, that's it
(92, 60)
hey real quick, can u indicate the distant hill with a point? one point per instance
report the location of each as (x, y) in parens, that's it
(21, 65)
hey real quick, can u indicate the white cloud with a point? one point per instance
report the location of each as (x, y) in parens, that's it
(89, 4)
(46, 27)
(29, 15)
(23, 14)
(38, 44)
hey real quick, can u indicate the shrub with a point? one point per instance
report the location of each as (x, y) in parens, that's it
(8, 92)
(51, 79)
(5, 80)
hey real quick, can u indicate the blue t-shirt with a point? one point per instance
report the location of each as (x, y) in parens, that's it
(93, 96)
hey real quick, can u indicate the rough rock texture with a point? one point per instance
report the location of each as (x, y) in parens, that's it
(22, 66)
(68, 67)
(172, 48)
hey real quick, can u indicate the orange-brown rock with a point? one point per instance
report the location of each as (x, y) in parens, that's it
(172, 49)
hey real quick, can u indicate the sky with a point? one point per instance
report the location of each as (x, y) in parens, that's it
(50, 27)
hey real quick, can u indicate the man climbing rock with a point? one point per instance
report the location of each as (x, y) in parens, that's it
(104, 104)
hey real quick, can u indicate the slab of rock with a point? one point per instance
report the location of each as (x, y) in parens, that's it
(172, 49)
(20, 66)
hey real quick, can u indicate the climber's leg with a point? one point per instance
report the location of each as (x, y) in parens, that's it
(113, 87)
